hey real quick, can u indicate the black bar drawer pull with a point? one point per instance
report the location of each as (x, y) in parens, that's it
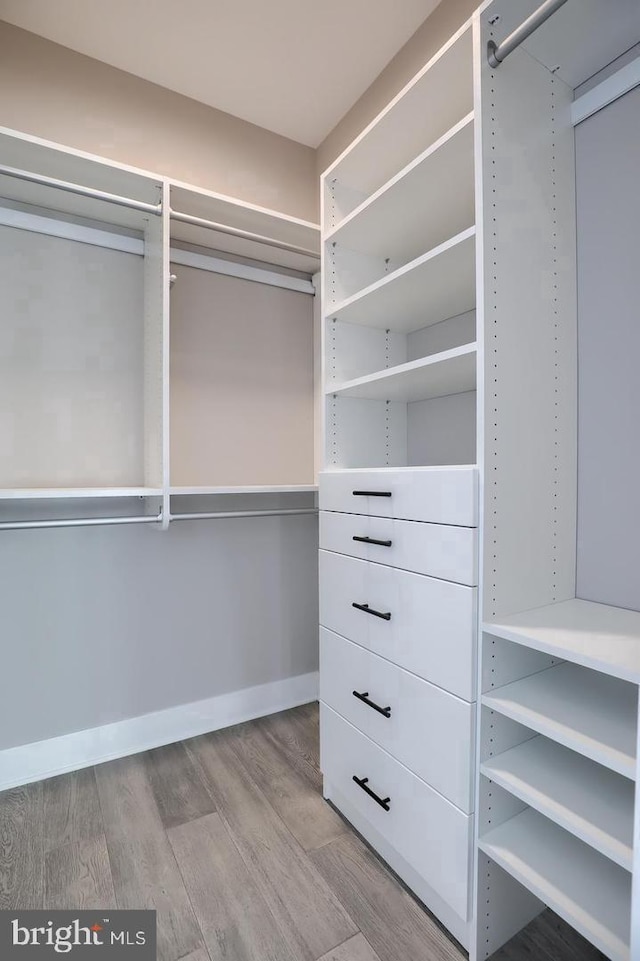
(372, 493)
(362, 782)
(369, 610)
(372, 540)
(376, 707)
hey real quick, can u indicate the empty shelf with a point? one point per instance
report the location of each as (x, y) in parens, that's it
(404, 126)
(428, 201)
(590, 892)
(256, 489)
(449, 372)
(595, 635)
(438, 285)
(590, 713)
(73, 493)
(581, 796)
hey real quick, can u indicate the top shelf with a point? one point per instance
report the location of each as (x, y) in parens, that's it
(427, 202)
(404, 128)
(597, 636)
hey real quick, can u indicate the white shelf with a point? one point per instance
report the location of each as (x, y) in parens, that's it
(449, 372)
(76, 493)
(425, 203)
(243, 216)
(590, 713)
(590, 892)
(256, 489)
(604, 638)
(581, 796)
(404, 126)
(438, 285)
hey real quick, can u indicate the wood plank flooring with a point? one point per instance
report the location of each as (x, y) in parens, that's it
(228, 838)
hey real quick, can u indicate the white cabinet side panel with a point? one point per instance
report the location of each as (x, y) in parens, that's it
(530, 337)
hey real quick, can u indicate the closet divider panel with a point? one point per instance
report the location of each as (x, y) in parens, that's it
(242, 396)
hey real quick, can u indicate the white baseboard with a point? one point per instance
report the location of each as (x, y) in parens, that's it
(71, 752)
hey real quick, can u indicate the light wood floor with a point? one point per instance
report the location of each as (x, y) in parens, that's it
(228, 838)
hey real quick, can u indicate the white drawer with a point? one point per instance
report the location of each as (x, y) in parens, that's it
(442, 495)
(431, 624)
(435, 549)
(429, 832)
(430, 731)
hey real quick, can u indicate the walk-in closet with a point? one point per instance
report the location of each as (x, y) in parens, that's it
(319, 534)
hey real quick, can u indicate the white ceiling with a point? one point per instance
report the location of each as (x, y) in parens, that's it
(292, 66)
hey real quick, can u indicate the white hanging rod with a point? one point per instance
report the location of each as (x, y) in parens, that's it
(79, 522)
(496, 53)
(71, 188)
(218, 515)
(243, 234)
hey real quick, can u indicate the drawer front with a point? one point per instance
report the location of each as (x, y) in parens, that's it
(429, 627)
(429, 731)
(442, 495)
(438, 550)
(432, 835)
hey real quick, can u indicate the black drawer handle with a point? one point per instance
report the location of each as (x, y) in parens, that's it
(362, 782)
(372, 540)
(370, 610)
(372, 493)
(376, 707)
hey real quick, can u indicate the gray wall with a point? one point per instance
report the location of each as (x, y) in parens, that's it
(104, 624)
(608, 195)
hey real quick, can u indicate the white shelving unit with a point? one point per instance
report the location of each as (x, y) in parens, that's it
(93, 426)
(557, 812)
(400, 365)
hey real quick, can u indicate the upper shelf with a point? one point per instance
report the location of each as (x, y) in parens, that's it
(252, 489)
(76, 493)
(244, 217)
(604, 638)
(427, 202)
(449, 372)
(405, 127)
(432, 288)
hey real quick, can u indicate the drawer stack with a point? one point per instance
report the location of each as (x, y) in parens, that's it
(398, 606)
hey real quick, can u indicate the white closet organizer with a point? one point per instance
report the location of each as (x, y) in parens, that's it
(399, 497)
(449, 264)
(557, 818)
(91, 357)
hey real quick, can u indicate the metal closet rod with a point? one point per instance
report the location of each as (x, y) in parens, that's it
(243, 234)
(496, 53)
(72, 188)
(217, 515)
(80, 522)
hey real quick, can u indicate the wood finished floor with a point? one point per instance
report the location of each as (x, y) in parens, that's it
(228, 838)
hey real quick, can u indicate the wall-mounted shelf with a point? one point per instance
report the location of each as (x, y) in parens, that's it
(590, 713)
(438, 285)
(581, 796)
(595, 635)
(77, 493)
(449, 372)
(252, 489)
(587, 890)
(425, 203)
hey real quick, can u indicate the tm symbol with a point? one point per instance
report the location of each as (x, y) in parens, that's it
(105, 920)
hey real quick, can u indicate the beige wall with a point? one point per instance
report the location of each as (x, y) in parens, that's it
(427, 39)
(50, 91)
